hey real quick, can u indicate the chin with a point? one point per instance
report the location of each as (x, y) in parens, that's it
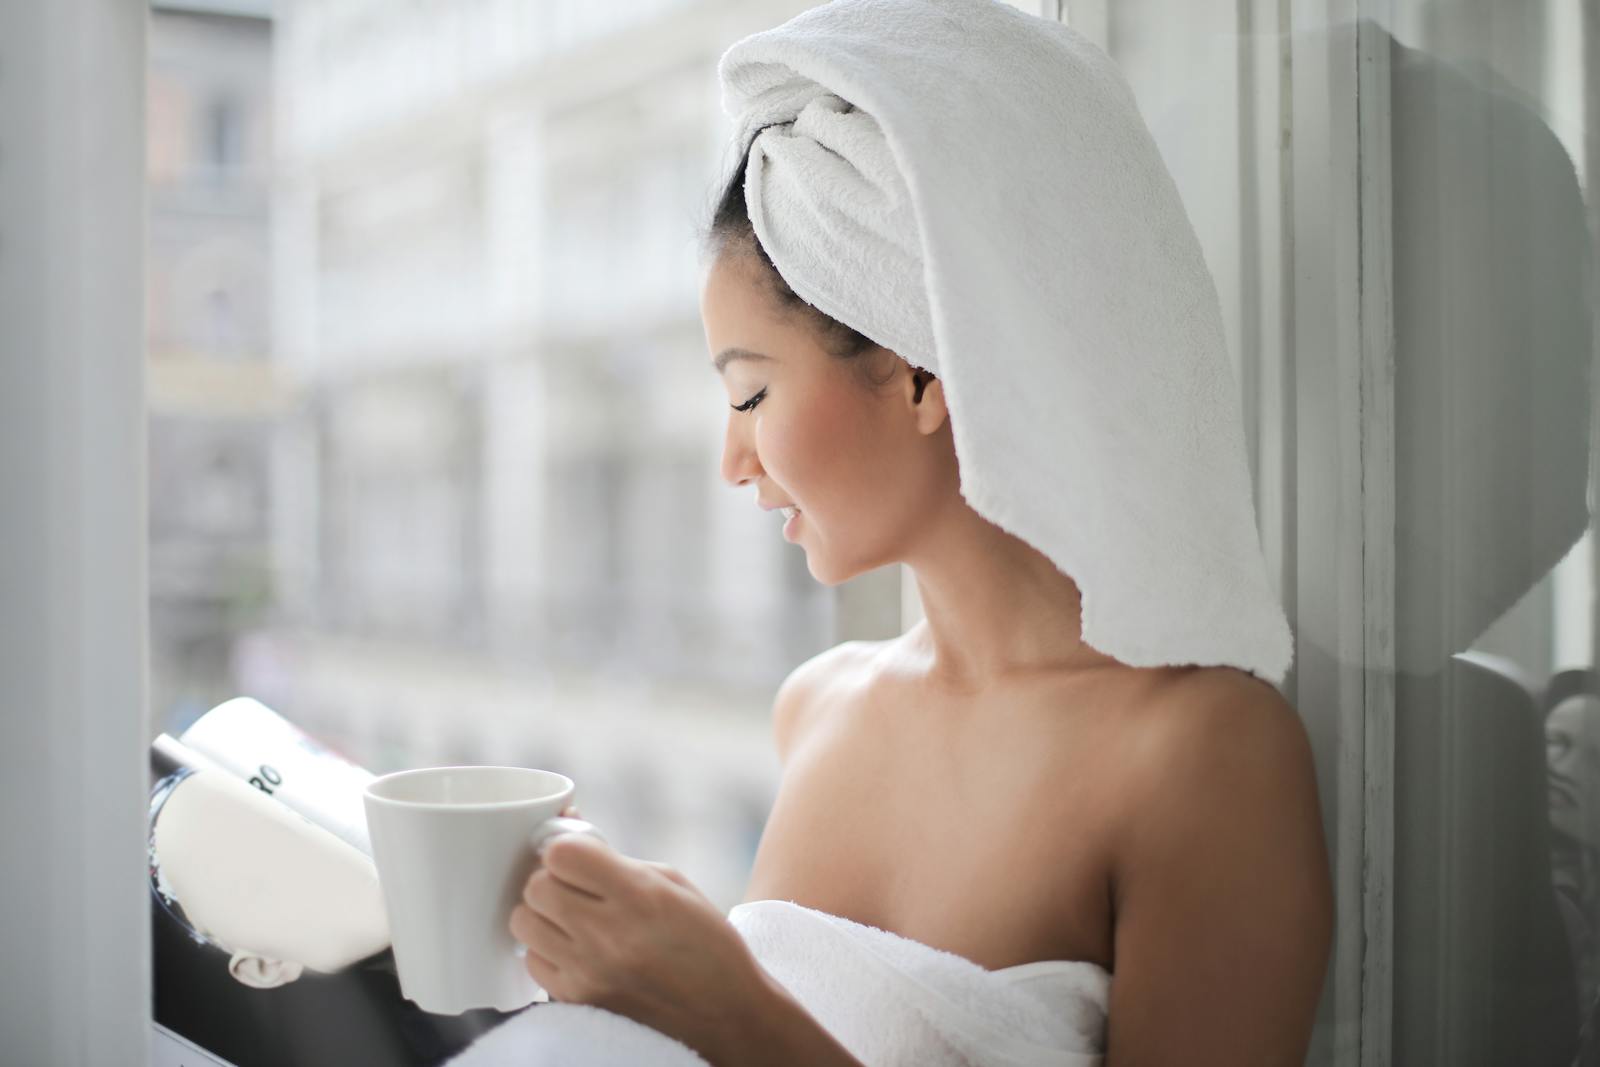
(825, 572)
(832, 573)
(830, 579)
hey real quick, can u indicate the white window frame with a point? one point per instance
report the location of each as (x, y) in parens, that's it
(75, 955)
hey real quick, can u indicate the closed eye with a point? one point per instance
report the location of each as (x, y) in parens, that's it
(748, 404)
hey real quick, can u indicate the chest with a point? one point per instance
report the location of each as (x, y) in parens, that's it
(980, 830)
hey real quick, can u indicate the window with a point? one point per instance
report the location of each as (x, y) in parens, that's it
(484, 468)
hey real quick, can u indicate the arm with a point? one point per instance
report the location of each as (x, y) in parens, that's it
(638, 939)
(776, 1031)
(1222, 894)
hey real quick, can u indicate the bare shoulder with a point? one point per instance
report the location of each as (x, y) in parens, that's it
(1221, 714)
(1211, 740)
(1221, 877)
(807, 688)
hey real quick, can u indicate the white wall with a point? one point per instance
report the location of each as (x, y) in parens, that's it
(75, 920)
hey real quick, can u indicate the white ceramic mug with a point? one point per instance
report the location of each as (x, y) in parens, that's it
(454, 847)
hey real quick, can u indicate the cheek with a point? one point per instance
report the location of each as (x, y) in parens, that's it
(825, 455)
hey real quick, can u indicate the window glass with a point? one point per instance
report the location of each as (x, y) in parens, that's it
(434, 437)
(1495, 782)
(1497, 733)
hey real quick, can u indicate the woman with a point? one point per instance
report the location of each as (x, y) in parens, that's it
(989, 784)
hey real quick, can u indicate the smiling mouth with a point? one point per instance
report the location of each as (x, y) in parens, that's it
(789, 512)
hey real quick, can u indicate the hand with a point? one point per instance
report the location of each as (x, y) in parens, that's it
(634, 937)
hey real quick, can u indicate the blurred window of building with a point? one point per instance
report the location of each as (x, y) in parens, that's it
(435, 442)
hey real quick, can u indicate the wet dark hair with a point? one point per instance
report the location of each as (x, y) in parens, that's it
(730, 229)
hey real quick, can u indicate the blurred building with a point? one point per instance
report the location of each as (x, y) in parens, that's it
(497, 529)
(213, 397)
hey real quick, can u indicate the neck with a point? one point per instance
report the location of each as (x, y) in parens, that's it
(994, 606)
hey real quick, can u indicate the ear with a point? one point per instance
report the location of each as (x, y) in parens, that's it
(925, 394)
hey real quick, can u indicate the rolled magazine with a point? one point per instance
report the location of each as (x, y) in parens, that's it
(281, 760)
(269, 940)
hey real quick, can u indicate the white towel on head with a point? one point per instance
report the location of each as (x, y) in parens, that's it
(888, 999)
(973, 187)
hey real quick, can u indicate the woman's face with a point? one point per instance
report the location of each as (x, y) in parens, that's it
(864, 466)
(1572, 752)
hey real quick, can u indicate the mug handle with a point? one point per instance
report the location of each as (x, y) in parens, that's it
(562, 824)
(559, 824)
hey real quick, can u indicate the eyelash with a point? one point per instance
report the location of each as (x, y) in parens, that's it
(748, 404)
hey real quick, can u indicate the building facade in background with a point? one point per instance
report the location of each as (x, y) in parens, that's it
(214, 400)
(448, 490)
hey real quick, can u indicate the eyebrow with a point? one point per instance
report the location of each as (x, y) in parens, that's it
(728, 355)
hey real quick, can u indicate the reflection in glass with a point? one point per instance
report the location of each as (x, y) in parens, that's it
(1494, 954)
(1572, 754)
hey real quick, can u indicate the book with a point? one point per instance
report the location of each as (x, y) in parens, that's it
(269, 942)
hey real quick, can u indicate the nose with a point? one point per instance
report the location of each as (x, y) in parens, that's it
(739, 462)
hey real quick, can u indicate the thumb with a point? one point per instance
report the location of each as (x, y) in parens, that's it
(675, 876)
(671, 873)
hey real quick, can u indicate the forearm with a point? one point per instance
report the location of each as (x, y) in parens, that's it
(775, 1030)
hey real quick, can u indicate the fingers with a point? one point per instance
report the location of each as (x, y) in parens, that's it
(586, 865)
(569, 910)
(551, 921)
(537, 931)
(540, 968)
(526, 927)
(571, 812)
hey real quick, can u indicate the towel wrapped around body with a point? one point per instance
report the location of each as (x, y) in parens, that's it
(888, 999)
